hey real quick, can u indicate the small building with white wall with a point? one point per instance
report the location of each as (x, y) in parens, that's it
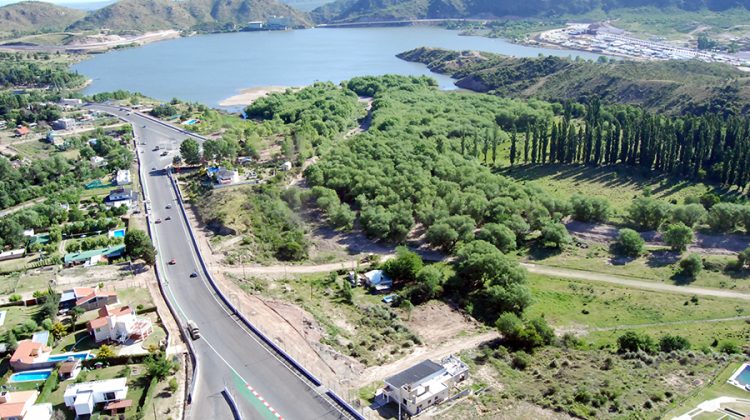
(85, 396)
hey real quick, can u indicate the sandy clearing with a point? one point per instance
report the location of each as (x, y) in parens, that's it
(250, 95)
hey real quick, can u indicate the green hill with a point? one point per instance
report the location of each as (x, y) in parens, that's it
(34, 16)
(374, 10)
(658, 86)
(202, 15)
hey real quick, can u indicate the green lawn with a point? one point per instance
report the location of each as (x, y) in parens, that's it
(16, 315)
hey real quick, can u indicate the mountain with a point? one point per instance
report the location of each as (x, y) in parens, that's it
(374, 10)
(35, 16)
(658, 86)
(203, 15)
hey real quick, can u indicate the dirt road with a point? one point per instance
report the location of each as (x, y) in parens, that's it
(567, 273)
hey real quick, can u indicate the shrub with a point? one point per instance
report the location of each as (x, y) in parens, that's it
(724, 217)
(729, 347)
(104, 352)
(589, 209)
(648, 213)
(555, 235)
(629, 242)
(173, 385)
(670, 343)
(14, 298)
(691, 265)
(521, 360)
(678, 236)
(633, 342)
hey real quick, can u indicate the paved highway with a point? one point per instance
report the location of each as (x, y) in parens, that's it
(228, 354)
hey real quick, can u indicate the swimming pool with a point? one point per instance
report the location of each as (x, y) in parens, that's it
(32, 375)
(741, 377)
(119, 233)
(65, 356)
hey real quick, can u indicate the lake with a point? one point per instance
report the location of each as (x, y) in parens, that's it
(209, 68)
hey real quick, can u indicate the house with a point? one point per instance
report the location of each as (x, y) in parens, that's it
(123, 177)
(93, 256)
(254, 26)
(279, 22)
(71, 296)
(69, 369)
(121, 197)
(244, 160)
(425, 384)
(97, 299)
(286, 166)
(225, 176)
(29, 355)
(22, 131)
(85, 396)
(63, 124)
(71, 102)
(20, 405)
(378, 280)
(119, 324)
(98, 161)
(13, 254)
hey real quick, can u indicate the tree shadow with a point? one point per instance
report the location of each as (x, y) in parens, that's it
(681, 279)
(658, 259)
(540, 253)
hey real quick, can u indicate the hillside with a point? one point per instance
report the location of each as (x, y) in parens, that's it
(657, 86)
(374, 10)
(34, 16)
(203, 15)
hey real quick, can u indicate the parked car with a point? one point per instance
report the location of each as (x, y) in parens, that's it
(168, 218)
(390, 298)
(172, 261)
(158, 221)
(193, 275)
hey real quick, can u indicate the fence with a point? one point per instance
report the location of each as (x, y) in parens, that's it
(343, 405)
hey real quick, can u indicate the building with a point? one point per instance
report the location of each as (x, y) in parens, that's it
(254, 26)
(55, 139)
(69, 297)
(71, 102)
(22, 131)
(20, 406)
(97, 299)
(119, 324)
(98, 161)
(286, 166)
(13, 254)
(225, 176)
(86, 396)
(69, 369)
(121, 197)
(123, 177)
(378, 280)
(63, 124)
(30, 355)
(93, 256)
(425, 384)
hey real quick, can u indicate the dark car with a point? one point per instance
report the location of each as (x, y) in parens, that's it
(193, 275)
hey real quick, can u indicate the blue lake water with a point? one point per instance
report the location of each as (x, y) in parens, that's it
(209, 68)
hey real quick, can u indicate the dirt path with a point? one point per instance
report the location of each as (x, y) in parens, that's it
(21, 206)
(631, 282)
(364, 125)
(419, 354)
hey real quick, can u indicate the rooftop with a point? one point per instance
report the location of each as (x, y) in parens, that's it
(86, 255)
(27, 351)
(106, 385)
(414, 374)
(13, 404)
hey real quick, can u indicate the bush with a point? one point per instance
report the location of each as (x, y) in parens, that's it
(669, 343)
(14, 298)
(527, 335)
(589, 209)
(631, 341)
(691, 265)
(729, 347)
(647, 213)
(629, 242)
(173, 385)
(678, 236)
(724, 217)
(555, 235)
(521, 360)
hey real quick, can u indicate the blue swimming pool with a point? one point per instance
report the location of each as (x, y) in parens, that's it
(65, 356)
(120, 233)
(32, 375)
(743, 378)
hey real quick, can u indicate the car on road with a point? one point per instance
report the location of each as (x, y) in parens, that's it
(168, 218)
(193, 275)
(169, 206)
(172, 261)
(164, 153)
(193, 330)
(157, 221)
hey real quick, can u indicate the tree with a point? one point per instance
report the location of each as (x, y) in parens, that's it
(678, 236)
(138, 245)
(158, 365)
(669, 343)
(190, 151)
(629, 242)
(428, 285)
(405, 266)
(555, 235)
(74, 314)
(526, 335)
(58, 330)
(724, 217)
(689, 214)
(743, 258)
(501, 236)
(648, 213)
(589, 209)
(478, 262)
(346, 291)
(104, 352)
(634, 342)
(691, 265)
(442, 235)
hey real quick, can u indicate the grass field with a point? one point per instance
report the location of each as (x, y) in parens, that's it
(598, 258)
(715, 388)
(617, 184)
(23, 282)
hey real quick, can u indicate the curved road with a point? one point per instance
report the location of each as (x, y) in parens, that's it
(228, 354)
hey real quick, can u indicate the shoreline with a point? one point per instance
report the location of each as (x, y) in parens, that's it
(247, 96)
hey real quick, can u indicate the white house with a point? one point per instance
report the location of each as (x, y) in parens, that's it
(70, 102)
(286, 166)
(121, 197)
(64, 124)
(119, 324)
(226, 176)
(378, 280)
(83, 397)
(425, 384)
(123, 177)
(98, 161)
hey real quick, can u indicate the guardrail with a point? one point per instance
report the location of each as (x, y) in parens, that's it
(343, 404)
